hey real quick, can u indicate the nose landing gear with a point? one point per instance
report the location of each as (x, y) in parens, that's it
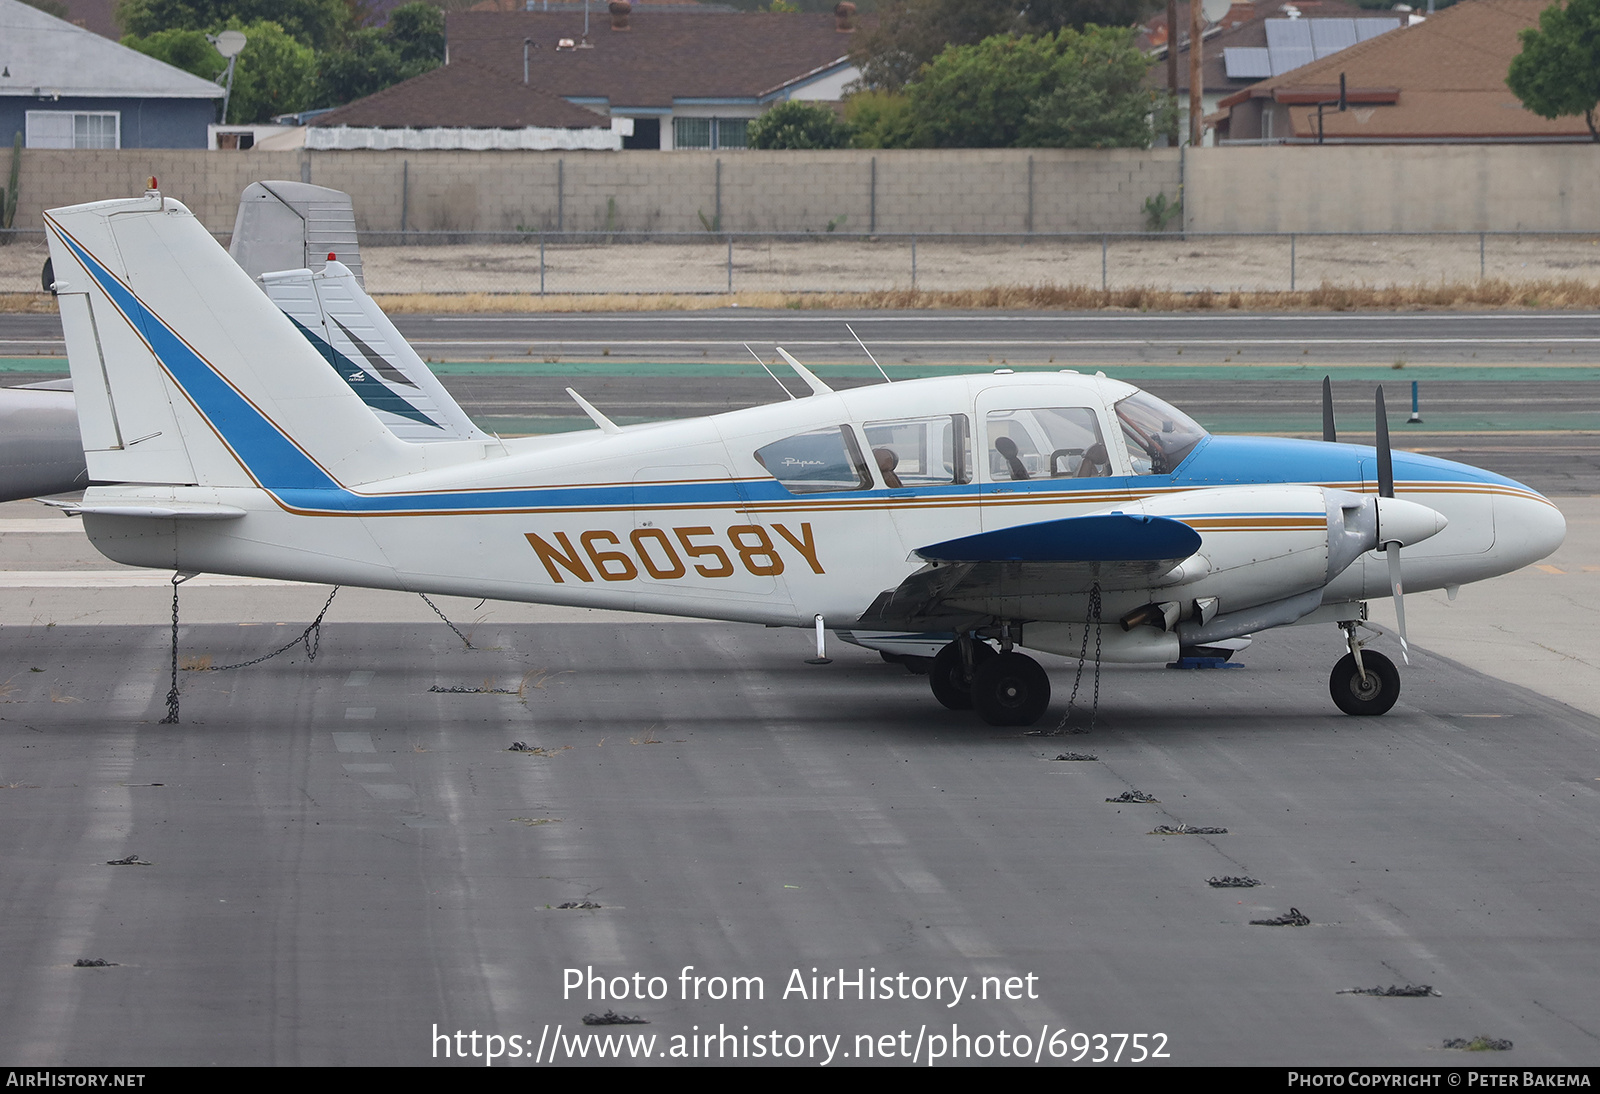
(1363, 682)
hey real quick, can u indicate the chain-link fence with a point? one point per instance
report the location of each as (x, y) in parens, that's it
(707, 262)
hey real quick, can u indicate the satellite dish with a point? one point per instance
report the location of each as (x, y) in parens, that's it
(1213, 10)
(230, 42)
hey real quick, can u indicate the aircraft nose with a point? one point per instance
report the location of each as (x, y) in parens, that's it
(1527, 527)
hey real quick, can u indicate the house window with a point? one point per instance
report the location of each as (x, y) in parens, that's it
(691, 132)
(73, 129)
(733, 132)
(711, 132)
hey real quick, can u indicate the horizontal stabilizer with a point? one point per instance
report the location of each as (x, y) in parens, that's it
(172, 510)
(1105, 537)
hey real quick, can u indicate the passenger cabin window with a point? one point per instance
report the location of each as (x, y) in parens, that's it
(1159, 436)
(933, 451)
(1046, 443)
(818, 462)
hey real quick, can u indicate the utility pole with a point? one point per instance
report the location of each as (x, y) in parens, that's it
(1197, 125)
(1172, 70)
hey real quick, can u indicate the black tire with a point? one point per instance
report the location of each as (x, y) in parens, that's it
(1010, 689)
(947, 676)
(1376, 696)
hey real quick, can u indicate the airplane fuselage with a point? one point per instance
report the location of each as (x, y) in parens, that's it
(685, 518)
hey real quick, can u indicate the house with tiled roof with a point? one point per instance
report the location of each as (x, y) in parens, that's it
(63, 86)
(686, 79)
(1442, 80)
(465, 106)
(1256, 39)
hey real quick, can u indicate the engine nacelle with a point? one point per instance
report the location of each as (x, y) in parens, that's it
(1268, 554)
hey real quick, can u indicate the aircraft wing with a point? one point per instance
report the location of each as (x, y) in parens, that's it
(1019, 571)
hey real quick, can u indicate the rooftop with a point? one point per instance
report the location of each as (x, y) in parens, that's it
(42, 55)
(1445, 77)
(661, 58)
(464, 94)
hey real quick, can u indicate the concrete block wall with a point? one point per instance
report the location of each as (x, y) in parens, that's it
(1347, 188)
(1409, 188)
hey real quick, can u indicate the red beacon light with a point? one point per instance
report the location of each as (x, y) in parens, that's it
(332, 257)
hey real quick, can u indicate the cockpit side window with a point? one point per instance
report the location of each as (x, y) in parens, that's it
(932, 451)
(1046, 443)
(821, 461)
(1159, 436)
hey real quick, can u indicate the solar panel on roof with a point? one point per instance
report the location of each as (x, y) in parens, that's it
(1371, 28)
(1289, 58)
(1246, 63)
(1288, 33)
(1329, 36)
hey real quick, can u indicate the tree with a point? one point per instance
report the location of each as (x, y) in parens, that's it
(1076, 89)
(1053, 15)
(1557, 74)
(977, 96)
(185, 49)
(1101, 101)
(51, 7)
(878, 119)
(375, 58)
(799, 125)
(315, 23)
(272, 76)
(911, 33)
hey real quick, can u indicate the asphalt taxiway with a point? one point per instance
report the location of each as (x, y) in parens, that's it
(345, 858)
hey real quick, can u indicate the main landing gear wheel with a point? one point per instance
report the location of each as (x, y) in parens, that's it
(948, 675)
(1375, 695)
(1010, 689)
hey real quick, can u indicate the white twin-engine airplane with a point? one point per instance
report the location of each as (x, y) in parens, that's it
(975, 516)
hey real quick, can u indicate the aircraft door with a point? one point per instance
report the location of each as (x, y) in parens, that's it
(1043, 458)
(926, 474)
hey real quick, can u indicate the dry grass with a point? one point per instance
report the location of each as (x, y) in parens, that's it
(1555, 294)
(32, 303)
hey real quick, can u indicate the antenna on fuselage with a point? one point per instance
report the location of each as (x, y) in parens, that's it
(868, 352)
(606, 424)
(1329, 433)
(816, 385)
(769, 372)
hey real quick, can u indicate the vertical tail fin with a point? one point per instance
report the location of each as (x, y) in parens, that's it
(186, 373)
(363, 346)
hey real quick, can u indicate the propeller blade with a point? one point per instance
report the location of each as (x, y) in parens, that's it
(1385, 460)
(1328, 432)
(1393, 551)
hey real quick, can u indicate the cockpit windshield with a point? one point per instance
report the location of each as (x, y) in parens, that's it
(1159, 436)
